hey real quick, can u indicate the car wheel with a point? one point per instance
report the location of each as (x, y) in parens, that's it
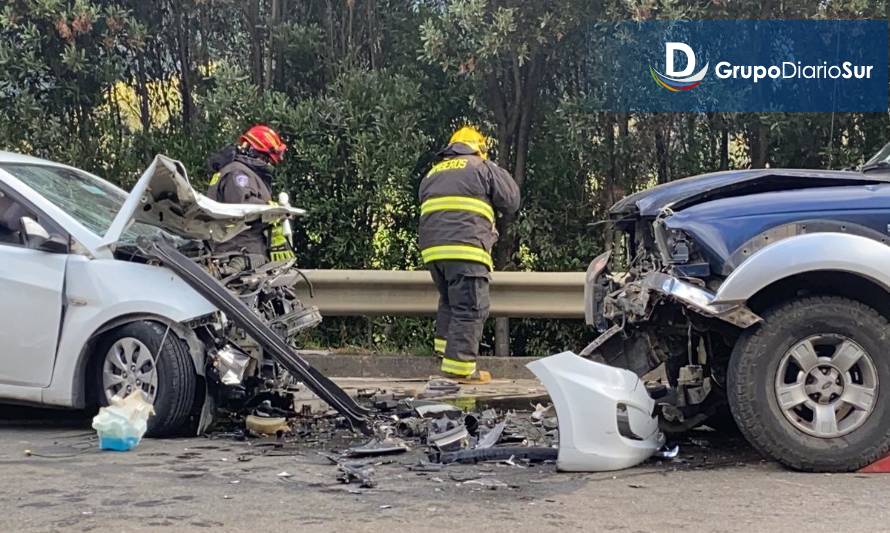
(147, 356)
(809, 386)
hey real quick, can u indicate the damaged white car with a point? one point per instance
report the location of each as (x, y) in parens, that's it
(89, 313)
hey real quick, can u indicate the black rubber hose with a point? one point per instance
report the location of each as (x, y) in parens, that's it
(534, 455)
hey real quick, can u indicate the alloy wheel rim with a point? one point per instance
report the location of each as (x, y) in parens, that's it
(826, 385)
(129, 365)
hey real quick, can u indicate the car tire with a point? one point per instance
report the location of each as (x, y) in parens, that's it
(809, 429)
(174, 380)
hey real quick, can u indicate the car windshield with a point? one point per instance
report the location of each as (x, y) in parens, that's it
(91, 201)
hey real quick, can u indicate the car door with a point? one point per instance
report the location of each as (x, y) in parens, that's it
(31, 296)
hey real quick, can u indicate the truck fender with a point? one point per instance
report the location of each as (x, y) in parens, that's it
(807, 253)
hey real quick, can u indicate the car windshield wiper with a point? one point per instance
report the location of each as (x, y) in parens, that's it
(880, 165)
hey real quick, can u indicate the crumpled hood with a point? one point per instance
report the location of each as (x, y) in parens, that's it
(163, 197)
(705, 187)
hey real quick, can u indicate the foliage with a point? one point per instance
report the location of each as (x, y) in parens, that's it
(365, 92)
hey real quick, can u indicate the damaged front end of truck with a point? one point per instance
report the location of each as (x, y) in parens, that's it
(653, 296)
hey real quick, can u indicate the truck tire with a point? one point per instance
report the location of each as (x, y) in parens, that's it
(809, 387)
(132, 356)
(723, 422)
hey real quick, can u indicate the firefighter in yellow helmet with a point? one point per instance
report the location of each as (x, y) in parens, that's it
(458, 200)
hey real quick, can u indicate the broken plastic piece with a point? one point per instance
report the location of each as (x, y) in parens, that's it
(589, 397)
(667, 452)
(439, 387)
(491, 438)
(499, 454)
(122, 424)
(447, 435)
(262, 425)
(426, 409)
(356, 472)
(378, 447)
(881, 466)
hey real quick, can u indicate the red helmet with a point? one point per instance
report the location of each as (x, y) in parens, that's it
(264, 140)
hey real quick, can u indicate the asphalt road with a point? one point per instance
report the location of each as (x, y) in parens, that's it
(197, 484)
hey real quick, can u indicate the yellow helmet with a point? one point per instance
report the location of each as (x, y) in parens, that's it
(471, 137)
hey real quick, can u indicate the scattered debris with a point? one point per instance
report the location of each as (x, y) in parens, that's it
(426, 409)
(487, 483)
(359, 472)
(423, 466)
(447, 435)
(122, 424)
(667, 452)
(491, 438)
(439, 387)
(499, 454)
(262, 425)
(411, 427)
(376, 446)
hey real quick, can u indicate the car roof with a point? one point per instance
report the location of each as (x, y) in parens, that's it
(12, 157)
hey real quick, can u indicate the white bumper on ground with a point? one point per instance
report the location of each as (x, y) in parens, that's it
(606, 417)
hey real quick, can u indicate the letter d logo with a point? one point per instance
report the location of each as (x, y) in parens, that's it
(678, 80)
(669, 69)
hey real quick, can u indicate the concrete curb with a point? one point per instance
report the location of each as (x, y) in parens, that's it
(407, 366)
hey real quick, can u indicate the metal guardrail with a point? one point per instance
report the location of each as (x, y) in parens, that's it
(398, 292)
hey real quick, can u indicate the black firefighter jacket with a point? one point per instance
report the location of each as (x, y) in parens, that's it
(238, 182)
(458, 199)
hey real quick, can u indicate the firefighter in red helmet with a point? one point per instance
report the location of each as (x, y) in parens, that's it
(242, 174)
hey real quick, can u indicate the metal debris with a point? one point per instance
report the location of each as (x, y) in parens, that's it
(358, 472)
(439, 387)
(378, 447)
(491, 438)
(447, 435)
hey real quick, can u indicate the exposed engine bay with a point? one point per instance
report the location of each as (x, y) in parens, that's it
(649, 317)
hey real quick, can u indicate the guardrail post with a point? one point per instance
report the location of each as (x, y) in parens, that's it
(502, 336)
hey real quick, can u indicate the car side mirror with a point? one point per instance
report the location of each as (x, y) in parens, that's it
(35, 234)
(38, 238)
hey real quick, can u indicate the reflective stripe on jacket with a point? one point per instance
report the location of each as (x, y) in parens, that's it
(458, 199)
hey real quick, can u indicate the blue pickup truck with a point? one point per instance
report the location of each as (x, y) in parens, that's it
(761, 299)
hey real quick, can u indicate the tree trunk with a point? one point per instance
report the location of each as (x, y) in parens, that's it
(758, 143)
(662, 153)
(256, 42)
(274, 15)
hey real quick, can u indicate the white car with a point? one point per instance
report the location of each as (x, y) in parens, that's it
(82, 318)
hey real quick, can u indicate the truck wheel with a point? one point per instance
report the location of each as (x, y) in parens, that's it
(132, 357)
(806, 386)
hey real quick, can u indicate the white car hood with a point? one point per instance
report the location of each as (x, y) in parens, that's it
(163, 197)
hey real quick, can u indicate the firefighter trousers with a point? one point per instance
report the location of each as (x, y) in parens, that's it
(463, 307)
